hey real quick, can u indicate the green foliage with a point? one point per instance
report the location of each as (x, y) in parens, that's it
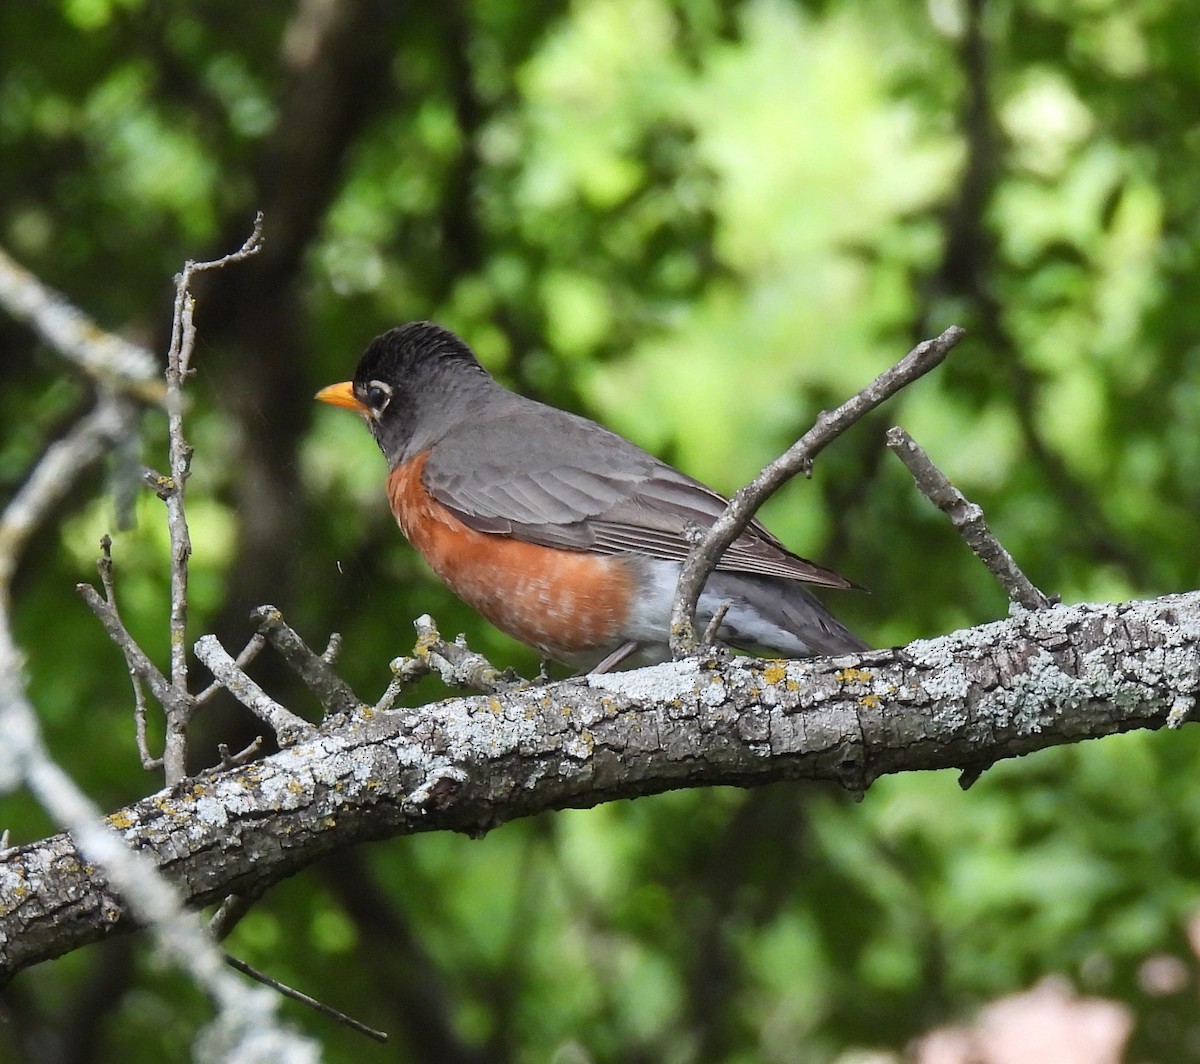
(700, 222)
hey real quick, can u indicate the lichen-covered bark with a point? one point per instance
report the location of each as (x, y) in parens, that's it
(965, 700)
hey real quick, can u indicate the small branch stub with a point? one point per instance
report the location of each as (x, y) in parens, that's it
(317, 673)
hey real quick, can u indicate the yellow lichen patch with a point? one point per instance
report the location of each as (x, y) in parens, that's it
(852, 676)
(870, 701)
(121, 820)
(165, 805)
(12, 902)
(774, 673)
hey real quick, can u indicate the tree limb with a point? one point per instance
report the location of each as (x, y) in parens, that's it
(104, 355)
(964, 700)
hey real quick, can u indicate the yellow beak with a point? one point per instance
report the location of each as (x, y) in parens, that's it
(341, 395)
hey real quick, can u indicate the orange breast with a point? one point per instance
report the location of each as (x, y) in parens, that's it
(556, 600)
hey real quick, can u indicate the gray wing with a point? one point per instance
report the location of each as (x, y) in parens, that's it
(545, 476)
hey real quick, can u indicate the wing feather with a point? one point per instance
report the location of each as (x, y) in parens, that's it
(545, 476)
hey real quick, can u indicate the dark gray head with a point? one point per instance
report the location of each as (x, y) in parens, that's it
(413, 384)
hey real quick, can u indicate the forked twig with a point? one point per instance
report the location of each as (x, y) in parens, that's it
(456, 663)
(171, 489)
(288, 727)
(314, 669)
(705, 554)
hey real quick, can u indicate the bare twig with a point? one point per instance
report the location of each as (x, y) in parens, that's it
(333, 649)
(104, 565)
(405, 671)
(243, 757)
(135, 657)
(967, 518)
(230, 913)
(77, 337)
(317, 673)
(296, 995)
(714, 623)
(288, 727)
(149, 762)
(162, 486)
(705, 554)
(171, 489)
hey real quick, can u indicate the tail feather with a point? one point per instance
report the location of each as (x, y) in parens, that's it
(774, 615)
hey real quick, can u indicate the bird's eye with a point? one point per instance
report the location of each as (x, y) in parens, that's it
(379, 395)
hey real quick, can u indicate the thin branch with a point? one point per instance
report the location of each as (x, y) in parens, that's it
(333, 649)
(967, 518)
(715, 622)
(288, 727)
(104, 564)
(135, 657)
(230, 913)
(171, 489)
(317, 673)
(456, 664)
(150, 762)
(327, 1011)
(243, 757)
(52, 479)
(249, 652)
(705, 554)
(405, 672)
(75, 336)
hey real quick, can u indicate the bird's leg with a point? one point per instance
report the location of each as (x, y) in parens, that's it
(611, 661)
(616, 657)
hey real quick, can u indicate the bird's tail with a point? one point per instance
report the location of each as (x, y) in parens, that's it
(774, 615)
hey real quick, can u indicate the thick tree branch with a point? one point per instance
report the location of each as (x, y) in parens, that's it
(965, 700)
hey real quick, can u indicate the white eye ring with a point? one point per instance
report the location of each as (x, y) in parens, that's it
(379, 394)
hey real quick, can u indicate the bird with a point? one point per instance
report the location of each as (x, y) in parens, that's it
(560, 532)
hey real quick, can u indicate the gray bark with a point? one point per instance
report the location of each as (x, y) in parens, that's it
(964, 701)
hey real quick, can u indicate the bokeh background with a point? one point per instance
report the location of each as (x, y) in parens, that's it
(700, 222)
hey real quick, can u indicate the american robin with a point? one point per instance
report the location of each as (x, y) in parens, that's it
(561, 533)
